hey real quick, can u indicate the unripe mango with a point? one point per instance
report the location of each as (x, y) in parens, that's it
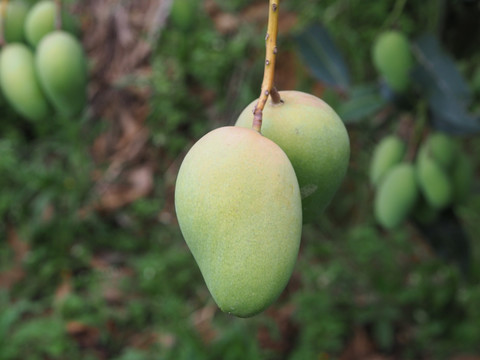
(442, 148)
(19, 82)
(314, 139)
(62, 71)
(40, 21)
(15, 15)
(462, 178)
(396, 196)
(388, 153)
(239, 209)
(433, 180)
(393, 59)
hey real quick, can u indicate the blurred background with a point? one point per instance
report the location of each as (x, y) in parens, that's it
(92, 262)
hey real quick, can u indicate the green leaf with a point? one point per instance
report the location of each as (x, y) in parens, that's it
(364, 101)
(448, 93)
(322, 56)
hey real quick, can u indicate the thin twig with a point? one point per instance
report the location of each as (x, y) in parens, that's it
(58, 16)
(395, 14)
(269, 71)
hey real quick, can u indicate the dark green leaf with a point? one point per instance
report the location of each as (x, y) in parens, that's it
(364, 101)
(322, 56)
(448, 93)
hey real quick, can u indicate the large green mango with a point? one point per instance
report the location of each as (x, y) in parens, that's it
(396, 196)
(19, 83)
(62, 72)
(314, 139)
(388, 153)
(239, 209)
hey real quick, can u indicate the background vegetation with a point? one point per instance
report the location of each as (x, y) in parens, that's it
(92, 263)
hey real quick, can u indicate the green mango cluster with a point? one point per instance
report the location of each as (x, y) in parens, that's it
(445, 175)
(242, 196)
(441, 175)
(42, 70)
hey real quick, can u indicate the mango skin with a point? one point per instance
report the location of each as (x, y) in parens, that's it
(19, 82)
(62, 72)
(393, 59)
(314, 139)
(15, 15)
(388, 153)
(433, 181)
(396, 196)
(40, 21)
(239, 209)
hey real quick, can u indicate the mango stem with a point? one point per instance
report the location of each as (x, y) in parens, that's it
(269, 70)
(276, 99)
(396, 12)
(418, 131)
(58, 15)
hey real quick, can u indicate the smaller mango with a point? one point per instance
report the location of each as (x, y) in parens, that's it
(62, 72)
(393, 59)
(315, 140)
(19, 82)
(443, 149)
(396, 196)
(15, 15)
(388, 153)
(40, 21)
(433, 180)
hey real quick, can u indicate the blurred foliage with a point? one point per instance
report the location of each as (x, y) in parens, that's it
(132, 290)
(200, 64)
